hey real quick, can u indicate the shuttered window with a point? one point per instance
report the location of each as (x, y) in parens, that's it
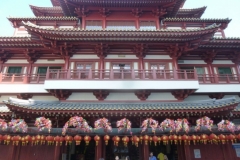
(121, 25)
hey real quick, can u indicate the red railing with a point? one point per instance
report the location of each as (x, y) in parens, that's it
(22, 78)
(218, 78)
(120, 74)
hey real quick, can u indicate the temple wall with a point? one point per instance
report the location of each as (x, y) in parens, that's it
(45, 61)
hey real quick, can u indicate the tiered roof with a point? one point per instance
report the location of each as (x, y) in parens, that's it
(47, 11)
(55, 107)
(191, 13)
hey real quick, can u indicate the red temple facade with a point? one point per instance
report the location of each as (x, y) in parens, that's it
(171, 74)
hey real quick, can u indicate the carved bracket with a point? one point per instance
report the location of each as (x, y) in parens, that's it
(102, 50)
(24, 96)
(182, 94)
(142, 95)
(60, 94)
(101, 94)
(82, 12)
(32, 55)
(137, 12)
(209, 56)
(235, 57)
(159, 12)
(216, 95)
(176, 50)
(140, 50)
(104, 12)
(4, 56)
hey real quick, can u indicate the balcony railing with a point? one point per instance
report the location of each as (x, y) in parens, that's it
(121, 74)
(22, 78)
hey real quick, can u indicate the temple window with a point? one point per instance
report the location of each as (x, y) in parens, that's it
(93, 24)
(147, 25)
(121, 25)
(200, 70)
(14, 70)
(224, 70)
(43, 70)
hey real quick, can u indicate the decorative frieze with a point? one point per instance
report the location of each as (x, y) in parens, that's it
(60, 94)
(101, 94)
(142, 95)
(182, 94)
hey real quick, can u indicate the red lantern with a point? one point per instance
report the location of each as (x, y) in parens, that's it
(68, 140)
(170, 138)
(125, 140)
(116, 140)
(33, 140)
(141, 139)
(155, 140)
(57, 140)
(165, 139)
(185, 138)
(28, 139)
(222, 138)
(61, 140)
(16, 140)
(7, 139)
(175, 138)
(97, 139)
(180, 139)
(146, 138)
(50, 140)
(43, 139)
(23, 141)
(106, 139)
(77, 139)
(159, 140)
(136, 140)
(194, 139)
(213, 138)
(87, 139)
(150, 140)
(232, 138)
(204, 138)
(38, 139)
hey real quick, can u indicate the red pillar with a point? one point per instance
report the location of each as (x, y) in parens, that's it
(12, 152)
(187, 152)
(137, 24)
(57, 153)
(83, 23)
(175, 63)
(157, 23)
(66, 65)
(141, 63)
(98, 150)
(145, 151)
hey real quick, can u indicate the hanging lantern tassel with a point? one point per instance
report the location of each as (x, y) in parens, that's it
(87, 139)
(204, 138)
(159, 140)
(132, 140)
(125, 140)
(170, 138)
(165, 139)
(117, 139)
(106, 139)
(185, 139)
(175, 138)
(141, 139)
(180, 139)
(136, 140)
(23, 141)
(77, 139)
(97, 139)
(38, 139)
(42, 139)
(68, 140)
(155, 140)
(146, 138)
(57, 140)
(222, 138)
(194, 138)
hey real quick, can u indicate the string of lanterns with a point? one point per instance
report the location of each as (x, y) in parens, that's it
(145, 140)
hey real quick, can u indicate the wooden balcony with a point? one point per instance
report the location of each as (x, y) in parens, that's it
(22, 78)
(120, 74)
(219, 79)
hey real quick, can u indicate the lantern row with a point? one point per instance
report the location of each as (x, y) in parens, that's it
(156, 140)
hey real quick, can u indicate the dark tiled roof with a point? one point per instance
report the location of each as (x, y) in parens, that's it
(195, 12)
(43, 18)
(97, 106)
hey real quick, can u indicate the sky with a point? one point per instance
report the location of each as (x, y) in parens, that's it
(215, 9)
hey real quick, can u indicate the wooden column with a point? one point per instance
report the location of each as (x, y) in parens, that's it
(175, 63)
(137, 24)
(157, 23)
(57, 153)
(98, 150)
(145, 151)
(66, 65)
(141, 63)
(83, 23)
(187, 152)
(104, 23)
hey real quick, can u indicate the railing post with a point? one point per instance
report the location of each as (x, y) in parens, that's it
(122, 75)
(154, 74)
(164, 74)
(195, 74)
(58, 77)
(68, 74)
(38, 78)
(13, 77)
(216, 78)
(25, 78)
(185, 74)
(175, 76)
(228, 80)
(90, 74)
(1, 77)
(101, 74)
(143, 74)
(111, 73)
(204, 78)
(133, 74)
(47, 74)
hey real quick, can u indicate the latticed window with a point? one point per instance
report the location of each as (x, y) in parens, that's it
(224, 70)
(121, 25)
(147, 25)
(94, 25)
(13, 70)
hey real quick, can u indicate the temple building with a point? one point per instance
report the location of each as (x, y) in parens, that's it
(166, 79)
